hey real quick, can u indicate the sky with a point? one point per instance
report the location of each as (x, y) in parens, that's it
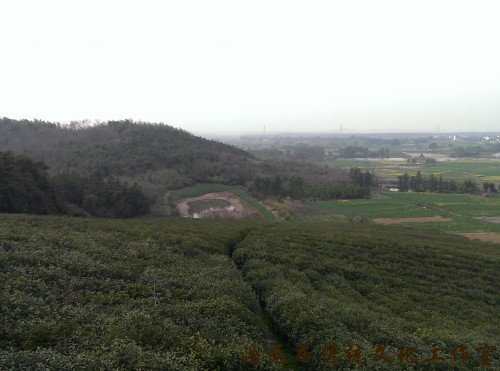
(239, 66)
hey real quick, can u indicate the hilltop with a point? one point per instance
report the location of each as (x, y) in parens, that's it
(125, 148)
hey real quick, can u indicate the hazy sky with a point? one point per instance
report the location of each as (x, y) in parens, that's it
(233, 66)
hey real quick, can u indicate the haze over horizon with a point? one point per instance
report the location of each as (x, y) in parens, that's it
(231, 67)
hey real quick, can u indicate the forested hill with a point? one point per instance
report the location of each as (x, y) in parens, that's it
(157, 156)
(125, 148)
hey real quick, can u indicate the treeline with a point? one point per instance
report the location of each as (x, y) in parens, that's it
(27, 187)
(109, 198)
(362, 178)
(475, 151)
(266, 186)
(363, 152)
(337, 191)
(419, 183)
(313, 153)
(470, 151)
(359, 187)
(295, 187)
(489, 187)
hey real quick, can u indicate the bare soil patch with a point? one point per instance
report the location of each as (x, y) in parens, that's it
(489, 219)
(483, 236)
(424, 219)
(237, 209)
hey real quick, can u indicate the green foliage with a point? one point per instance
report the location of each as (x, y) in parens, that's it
(362, 152)
(470, 151)
(338, 191)
(433, 145)
(325, 284)
(96, 197)
(282, 209)
(362, 178)
(419, 183)
(265, 186)
(296, 188)
(146, 153)
(25, 186)
(80, 293)
(252, 203)
(189, 294)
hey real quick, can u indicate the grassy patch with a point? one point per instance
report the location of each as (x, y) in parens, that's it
(199, 190)
(252, 203)
(281, 208)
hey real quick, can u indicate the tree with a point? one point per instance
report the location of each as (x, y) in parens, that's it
(296, 187)
(277, 186)
(419, 183)
(25, 186)
(440, 184)
(403, 182)
(468, 186)
(432, 183)
(489, 187)
(453, 186)
(431, 162)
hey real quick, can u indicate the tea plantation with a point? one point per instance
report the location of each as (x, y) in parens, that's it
(177, 294)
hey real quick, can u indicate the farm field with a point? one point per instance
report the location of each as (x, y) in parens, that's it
(221, 294)
(480, 170)
(463, 210)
